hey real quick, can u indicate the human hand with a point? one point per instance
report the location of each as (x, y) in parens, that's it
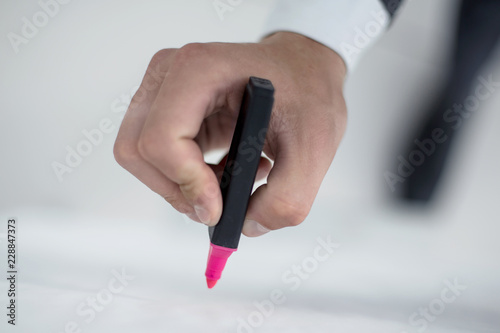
(188, 104)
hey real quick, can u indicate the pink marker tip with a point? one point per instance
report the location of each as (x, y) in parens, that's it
(217, 258)
(211, 283)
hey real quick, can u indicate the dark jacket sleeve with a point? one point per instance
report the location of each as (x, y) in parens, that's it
(392, 6)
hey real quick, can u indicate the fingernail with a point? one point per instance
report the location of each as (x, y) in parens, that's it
(192, 216)
(254, 229)
(203, 214)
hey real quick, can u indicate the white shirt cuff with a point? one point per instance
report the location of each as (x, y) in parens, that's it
(346, 26)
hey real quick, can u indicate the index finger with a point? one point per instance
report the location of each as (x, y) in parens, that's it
(185, 98)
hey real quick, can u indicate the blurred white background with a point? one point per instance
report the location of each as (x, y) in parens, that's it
(392, 260)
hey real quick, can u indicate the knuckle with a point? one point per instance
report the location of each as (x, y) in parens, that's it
(190, 53)
(149, 145)
(290, 213)
(189, 175)
(125, 152)
(191, 49)
(158, 57)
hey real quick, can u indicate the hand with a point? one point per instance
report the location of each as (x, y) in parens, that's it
(188, 104)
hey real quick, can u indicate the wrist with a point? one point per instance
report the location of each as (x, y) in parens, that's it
(297, 43)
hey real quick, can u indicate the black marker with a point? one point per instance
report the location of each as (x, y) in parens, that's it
(239, 174)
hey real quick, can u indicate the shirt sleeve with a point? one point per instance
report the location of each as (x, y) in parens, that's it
(346, 26)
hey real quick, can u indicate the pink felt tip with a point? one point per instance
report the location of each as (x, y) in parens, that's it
(217, 258)
(211, 283)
